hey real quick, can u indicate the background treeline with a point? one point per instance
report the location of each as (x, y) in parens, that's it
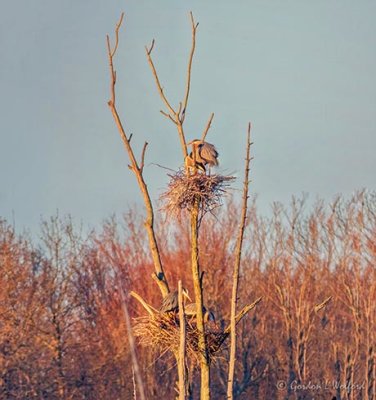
(62, 332)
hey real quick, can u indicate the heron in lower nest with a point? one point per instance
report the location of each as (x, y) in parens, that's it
(170, 303)
(191, 311)
(202, 154)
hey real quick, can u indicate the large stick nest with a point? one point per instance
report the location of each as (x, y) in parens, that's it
(184, 190)
(161, 332)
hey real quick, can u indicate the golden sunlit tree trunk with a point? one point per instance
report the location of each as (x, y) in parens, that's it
(197, 283)
(181, 355)
(136, 168)
(238, 254)
(177, 117)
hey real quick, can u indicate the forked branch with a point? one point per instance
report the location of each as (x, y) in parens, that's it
(207, 127)
(189, 70)
(245, 310)
(176, 115)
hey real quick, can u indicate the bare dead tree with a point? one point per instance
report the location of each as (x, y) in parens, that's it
(177, 116)
(238, 254)
(135, 167)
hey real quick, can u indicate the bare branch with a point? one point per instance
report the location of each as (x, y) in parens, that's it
(151, 47)
(168, 116)
(238, 254)
(189, 68)
(180, 107)
(320, 306)
(149, 223)
(150, 309)
(118, 25)
(178, 116)
(243, 313)
(112, 72)
(157, 81)
(143, 157)
(207, 126)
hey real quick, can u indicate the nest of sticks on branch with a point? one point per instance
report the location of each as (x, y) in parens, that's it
(184, 190)
(161, 333)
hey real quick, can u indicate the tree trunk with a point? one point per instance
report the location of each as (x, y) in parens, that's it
(204, 361)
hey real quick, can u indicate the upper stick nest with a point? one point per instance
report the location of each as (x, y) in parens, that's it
(183, 190)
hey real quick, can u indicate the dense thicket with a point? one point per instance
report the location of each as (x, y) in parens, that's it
(62, 332)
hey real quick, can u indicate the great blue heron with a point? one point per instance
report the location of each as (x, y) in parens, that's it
(191, 310)
(203, 153)
(171, 301)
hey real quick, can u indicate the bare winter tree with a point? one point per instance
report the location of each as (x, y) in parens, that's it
(198, 193)
(63, 332)
(136, 167)
(238, 253)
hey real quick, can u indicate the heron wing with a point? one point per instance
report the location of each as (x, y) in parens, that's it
(209, 153)
(169, 303)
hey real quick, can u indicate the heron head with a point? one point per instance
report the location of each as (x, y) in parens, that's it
(194, 142)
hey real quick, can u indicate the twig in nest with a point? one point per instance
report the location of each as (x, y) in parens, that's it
(161, 333)
(151, 310)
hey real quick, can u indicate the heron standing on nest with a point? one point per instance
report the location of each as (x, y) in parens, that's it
(191, 311)
(171, 302)
(202, 154)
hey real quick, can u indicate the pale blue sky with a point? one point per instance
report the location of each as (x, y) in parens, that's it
(302, 71)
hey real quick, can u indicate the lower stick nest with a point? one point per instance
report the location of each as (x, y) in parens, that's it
(161, 333)
(184, 190)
